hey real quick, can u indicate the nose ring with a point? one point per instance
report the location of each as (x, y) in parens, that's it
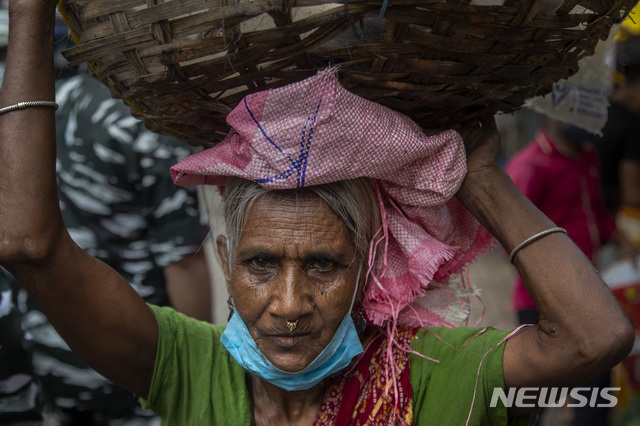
(292, 325)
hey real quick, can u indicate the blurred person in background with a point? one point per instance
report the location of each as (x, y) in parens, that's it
(119, 204)
(19, 388)
(619, 146)
(619, 150)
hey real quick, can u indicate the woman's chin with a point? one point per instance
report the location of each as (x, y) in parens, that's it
(290, 362)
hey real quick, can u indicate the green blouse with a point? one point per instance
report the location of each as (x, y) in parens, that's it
(196, 382)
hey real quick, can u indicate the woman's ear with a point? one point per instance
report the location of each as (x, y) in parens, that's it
(223, 252)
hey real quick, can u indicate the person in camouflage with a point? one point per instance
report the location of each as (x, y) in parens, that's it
(19, 403)
(120, 205)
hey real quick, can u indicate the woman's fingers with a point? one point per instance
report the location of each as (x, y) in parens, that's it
(482, 142)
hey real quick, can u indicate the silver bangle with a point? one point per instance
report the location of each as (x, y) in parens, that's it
(532, 239)
(29, 104)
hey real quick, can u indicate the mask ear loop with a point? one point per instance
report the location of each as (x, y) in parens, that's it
(355, 291)
(358, 318)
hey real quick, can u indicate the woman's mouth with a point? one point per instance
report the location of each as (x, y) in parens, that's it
(286, 341)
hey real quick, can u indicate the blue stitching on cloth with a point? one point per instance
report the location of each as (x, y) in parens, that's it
(265, 133)
(302, 148)
(299, 165)
(307, 148)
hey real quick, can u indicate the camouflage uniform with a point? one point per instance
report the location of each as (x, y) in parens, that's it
(120, 205)
(18, 385)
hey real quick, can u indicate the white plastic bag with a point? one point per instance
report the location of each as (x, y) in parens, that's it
(581, 99)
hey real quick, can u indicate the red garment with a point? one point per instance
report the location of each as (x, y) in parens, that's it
(368, 394)
(566, 190)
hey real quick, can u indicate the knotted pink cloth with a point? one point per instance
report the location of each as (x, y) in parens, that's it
(314, 132)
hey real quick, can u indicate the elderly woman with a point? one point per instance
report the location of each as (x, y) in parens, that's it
(342, 241)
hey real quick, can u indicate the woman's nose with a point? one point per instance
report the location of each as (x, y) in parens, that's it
(293, 296)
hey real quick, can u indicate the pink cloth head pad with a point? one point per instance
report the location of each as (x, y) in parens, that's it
(314, 132)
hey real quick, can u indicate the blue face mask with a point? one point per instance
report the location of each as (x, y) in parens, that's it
(337, 355)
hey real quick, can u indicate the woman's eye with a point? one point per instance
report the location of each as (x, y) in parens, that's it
(322, 265)
(260, 263)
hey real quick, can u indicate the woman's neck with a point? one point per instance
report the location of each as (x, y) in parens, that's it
(275, 406)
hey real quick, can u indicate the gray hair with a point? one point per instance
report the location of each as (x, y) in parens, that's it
(353, 201)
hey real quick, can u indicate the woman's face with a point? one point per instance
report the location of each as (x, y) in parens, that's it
(292, 263)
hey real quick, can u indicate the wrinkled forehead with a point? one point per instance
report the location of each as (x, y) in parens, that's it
(295, 221)
(302, 204)
(298, 208)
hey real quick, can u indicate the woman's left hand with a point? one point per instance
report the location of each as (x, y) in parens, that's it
(482, 143)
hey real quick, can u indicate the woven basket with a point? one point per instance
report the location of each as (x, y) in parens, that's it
(182, 65)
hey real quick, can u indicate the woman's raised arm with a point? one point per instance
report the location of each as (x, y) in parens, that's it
(92, 307)
(582, 332)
